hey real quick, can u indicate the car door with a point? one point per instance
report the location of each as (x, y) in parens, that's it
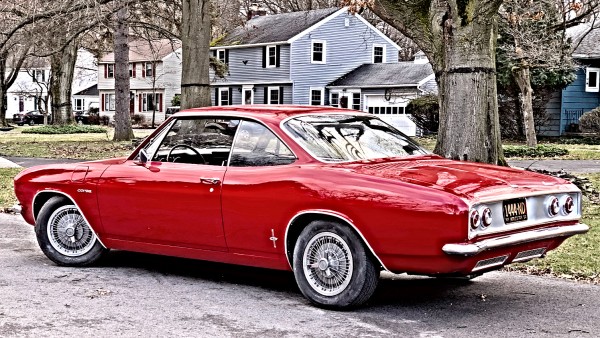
(258, 192)
(175, 199)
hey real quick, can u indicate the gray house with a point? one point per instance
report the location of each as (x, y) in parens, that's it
(291, 58)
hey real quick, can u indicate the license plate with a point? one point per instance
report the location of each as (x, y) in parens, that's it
(514, 210)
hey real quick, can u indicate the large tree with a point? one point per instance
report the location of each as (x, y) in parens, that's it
(195, 39)
(123, 131)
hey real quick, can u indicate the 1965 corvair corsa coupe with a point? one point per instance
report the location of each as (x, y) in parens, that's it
(333, 194)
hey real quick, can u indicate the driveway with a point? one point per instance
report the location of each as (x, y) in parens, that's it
(570, 166)
(137, 295)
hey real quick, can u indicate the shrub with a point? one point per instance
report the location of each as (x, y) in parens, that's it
(541, 150)
(138, 119)
(425, 111)
(68, 129)
(176, 100)
(104, 120)
(590, 122)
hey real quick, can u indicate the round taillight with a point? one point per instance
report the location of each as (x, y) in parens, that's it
(553, 206)
(486, 217)
(569, 205)
(474, 219)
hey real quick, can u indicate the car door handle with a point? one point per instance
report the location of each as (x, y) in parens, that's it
(212, 181)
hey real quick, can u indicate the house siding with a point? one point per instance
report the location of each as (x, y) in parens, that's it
(575, 100)
(252, 71)
(346, 49)
(259, 93)
(551, 126)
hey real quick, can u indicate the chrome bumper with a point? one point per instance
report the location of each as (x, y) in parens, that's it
(471, 249)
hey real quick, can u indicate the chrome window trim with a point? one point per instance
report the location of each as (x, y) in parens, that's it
(333, 214)
(75, 203)
(353, 113)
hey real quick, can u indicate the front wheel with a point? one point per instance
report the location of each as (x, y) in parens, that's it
(331, 266)
(64, 235)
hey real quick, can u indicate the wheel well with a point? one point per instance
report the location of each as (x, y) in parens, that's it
(300, 222)
(41, 199)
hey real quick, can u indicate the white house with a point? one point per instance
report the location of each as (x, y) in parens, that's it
(30, 89)
(155, 78)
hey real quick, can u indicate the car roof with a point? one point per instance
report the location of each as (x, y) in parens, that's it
(272, 113)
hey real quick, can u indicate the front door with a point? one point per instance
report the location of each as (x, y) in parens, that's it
(175, 199)
(247, 95)
(131, 103)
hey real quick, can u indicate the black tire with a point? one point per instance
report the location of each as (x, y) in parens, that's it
(31, 122)
(358, 280)
(20, 124)
(58, 212)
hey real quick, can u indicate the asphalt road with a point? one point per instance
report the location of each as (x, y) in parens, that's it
(135, 295)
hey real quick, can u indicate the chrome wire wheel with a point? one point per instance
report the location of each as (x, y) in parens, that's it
(69, 233)
(327, 264)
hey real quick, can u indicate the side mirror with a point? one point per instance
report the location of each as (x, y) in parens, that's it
(143, 157)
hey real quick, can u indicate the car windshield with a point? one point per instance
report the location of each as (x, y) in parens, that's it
(343, 138)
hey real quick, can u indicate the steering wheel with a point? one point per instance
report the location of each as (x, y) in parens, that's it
(181, 145)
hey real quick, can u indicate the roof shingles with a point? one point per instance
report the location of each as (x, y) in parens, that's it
(385, 74)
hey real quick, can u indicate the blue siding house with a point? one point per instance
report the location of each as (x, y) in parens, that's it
(583, 95)
(296, 58)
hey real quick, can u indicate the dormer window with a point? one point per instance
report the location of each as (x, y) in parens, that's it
(378, 53)
(319, 52)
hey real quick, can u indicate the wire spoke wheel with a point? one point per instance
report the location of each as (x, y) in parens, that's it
(69, 233)
(327, 264)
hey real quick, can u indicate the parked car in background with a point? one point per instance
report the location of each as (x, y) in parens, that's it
(334, 195)
(171, 110)
(90, 116)
(31, 118)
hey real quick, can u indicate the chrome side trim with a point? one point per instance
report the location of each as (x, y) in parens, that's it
(514, 239)
(332, 214)
(72, 200)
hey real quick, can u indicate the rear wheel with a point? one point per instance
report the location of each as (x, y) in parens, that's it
(31, 123)
(331, 266)
(64, 235)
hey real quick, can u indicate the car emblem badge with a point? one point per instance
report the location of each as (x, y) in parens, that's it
(273, 238)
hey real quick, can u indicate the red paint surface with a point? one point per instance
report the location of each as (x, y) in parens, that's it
(406, 209)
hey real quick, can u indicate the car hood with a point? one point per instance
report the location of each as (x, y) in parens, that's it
(469, 180)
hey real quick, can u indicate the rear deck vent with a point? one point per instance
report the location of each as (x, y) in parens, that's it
(529, 254)
(490, 262)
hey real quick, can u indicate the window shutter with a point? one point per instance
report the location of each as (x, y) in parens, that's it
(143, 69)
(214, 52)
(160, 103)
(217, 103)
(140, 103)
(266, 95)
(105, 70)
(280, 95)
(102, 98)
(277, 53)
(227, 56)
(264, 55)
(230, 97)
(133, 66)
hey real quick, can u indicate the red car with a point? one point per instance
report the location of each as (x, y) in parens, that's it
(334, 195)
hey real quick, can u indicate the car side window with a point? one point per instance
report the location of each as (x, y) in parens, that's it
(198, 140)
(257, 146)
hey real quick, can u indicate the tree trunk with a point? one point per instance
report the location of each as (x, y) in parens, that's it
(523, 79)
(469, 123)
(195, 38)
(123, 131)
(62, 67)
(3, 108)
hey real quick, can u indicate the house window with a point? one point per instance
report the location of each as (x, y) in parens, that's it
(271, 56)
(132, 70)
(356, 101)
(110, 71)
(39, 75)
(109, 102)
(273, 95)
(378, 53)
(316, 96)
(335, 99)
(151, 102)
(592, 79)
(224, 97)
(78, 104)
(149, 67)
(318, 54)
(222, 55)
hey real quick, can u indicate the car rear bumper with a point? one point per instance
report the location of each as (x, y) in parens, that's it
(471, 249)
